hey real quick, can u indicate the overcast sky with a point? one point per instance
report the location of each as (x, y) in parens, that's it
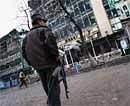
(9, 10)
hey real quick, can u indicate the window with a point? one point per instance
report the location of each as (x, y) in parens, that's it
(86, 21)
(54, 24)
(105, 1)
(72, 14)
(106, 7)
(76, 10)
(67, 2)
(81, 6)
(17, 61)
(119, 11)
(71, 10)
(80, 23)
(61, 20)
(69, 29)
(109, 13)
(75, 29)
(87, 6)
(92, 19)
(114, 11)
(126, 10)
(63, 34)
(58, 34)
(3, 67)
(57, 21)
(67, 20)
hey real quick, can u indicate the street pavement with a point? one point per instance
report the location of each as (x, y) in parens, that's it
(109, 86)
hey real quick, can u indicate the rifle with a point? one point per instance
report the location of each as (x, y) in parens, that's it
(62, 75)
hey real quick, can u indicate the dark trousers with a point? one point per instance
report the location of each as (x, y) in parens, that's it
(22, 82)
(51, 86)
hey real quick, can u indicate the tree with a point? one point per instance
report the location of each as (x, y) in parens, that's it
(77, 26)
(84, 49)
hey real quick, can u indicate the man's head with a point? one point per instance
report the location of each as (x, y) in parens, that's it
(38, 19)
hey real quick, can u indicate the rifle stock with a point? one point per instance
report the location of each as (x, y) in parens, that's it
(65, 82)
(63, 73)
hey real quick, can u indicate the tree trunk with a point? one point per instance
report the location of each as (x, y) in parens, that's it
(85, 51)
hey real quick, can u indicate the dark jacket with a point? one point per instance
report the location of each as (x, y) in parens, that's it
(40, 48)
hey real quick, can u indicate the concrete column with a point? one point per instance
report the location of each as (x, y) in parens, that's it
(101, 17)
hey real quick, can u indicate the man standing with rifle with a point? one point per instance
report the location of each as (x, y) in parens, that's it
(41, 52)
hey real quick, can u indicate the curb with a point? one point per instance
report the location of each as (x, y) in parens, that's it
(117, 61)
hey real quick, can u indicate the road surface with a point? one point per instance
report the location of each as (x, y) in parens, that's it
(109, 86)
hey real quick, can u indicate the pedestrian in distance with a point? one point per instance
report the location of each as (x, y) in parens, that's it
(22, 79)
(41, 52)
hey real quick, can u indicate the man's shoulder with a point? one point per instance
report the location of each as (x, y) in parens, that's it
(40, 27)
(45, 28)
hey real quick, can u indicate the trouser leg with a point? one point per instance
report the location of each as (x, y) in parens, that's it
(54, 92)
(43, 77)
(21, 82)
(51, 87)
(25, 83)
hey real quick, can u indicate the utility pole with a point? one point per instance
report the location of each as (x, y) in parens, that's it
(24, 10)
(27, 18)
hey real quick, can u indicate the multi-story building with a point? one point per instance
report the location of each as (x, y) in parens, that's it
(118, 12)
(57, 19)
(11, 60)
(100, 21)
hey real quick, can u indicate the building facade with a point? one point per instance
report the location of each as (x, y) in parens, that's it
(57, 19)
(11, 60)
(100, 21)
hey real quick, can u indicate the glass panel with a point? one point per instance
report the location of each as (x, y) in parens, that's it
(92, 19)
(105, 1)
(81, 6)
(76, 10)
(109, 13)
(114, 11)
(86, 21)
(126, 10)
(88, 7)
(80, 23)
(67, 2)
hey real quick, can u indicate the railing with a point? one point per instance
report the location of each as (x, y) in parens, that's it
(106, 57)
(102, 59)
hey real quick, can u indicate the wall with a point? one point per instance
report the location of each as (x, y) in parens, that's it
(101, 17)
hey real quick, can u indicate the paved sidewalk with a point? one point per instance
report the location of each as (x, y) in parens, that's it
(108, 86)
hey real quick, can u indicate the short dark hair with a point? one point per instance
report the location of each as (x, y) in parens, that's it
(37, 17)
(35, 22)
